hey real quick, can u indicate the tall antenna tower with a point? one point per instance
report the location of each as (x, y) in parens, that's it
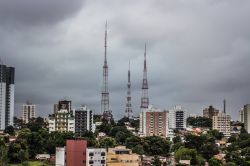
(105, 92)
(128, 110)
(144, 98)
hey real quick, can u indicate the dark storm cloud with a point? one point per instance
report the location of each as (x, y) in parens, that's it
(31, 12)
(197, 52)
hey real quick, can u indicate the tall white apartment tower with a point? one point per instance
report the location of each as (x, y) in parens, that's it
(247, 117)
(29, 112)
(7, 86)
(177, 118)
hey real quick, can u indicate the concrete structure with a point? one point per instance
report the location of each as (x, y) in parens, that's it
(63, 120)
(177, 118)
(121, 156)
(29, 112)
(60, 156)
(154, 122)
(247, 117)
(7, 88)
(76, 152)
(210, 112)
(241, 115)
(96, 157)
(84, 120)
(221, 122)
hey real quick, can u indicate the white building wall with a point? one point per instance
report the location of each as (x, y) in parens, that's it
(2, 105)
(97, 156)
(247, 117)
(60, 156)
(52, 125)
(12, 93)
(71, 124)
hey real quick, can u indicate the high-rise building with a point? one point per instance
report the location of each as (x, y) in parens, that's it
(247, 117)
(84, 120)
(177, 118)
(29, 112)
(128, 110)
(76, 152)
(63, 120)
(221, 122)
(241, 115)
(154, 121)
(96, 157)
(210, 112)
(106, 112)
(7, 87)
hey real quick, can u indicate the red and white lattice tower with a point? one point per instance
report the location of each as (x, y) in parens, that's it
(144, 97)
(128, 110)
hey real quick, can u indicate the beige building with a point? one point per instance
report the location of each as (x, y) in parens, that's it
(247, 117)
(221, 122)
(29, 112)
(210, 112)
(154, 121)
(63, 120)
(121, 156)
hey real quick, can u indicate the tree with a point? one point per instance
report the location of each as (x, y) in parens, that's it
(216, 134)
(36, 124)
(156, 161)
(18, 151)
(18, 123)
(214, 162)
(156, 145)
(3, 153)
(138, 149)
(199, 122)
(133, 141)
(122, 121)
(10, 130)
(107, 142)
(208, 150)
(189, 154)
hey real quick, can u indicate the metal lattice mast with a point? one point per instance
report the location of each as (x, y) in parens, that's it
(128, 110)
(144, 98)
(105, 92)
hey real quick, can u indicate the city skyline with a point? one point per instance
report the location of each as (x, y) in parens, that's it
(197, 53)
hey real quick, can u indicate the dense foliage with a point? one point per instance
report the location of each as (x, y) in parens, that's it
(199, 122)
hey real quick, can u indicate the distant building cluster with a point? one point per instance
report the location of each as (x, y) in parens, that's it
(66, 119)
(77, 153)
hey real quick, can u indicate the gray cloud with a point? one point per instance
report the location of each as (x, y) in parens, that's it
(198, 52)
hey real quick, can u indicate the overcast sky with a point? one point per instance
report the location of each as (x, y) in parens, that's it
(198, 52)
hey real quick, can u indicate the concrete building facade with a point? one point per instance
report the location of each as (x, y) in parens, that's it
(247, 117)
(60, 156)
(154, 121)
(121, 156)
(210, 112)
(7, 88)
(63, 120)
(76, 152)
(96, 157)
(177, 118)
(222, 123)
(84, 120)
(29, 112)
